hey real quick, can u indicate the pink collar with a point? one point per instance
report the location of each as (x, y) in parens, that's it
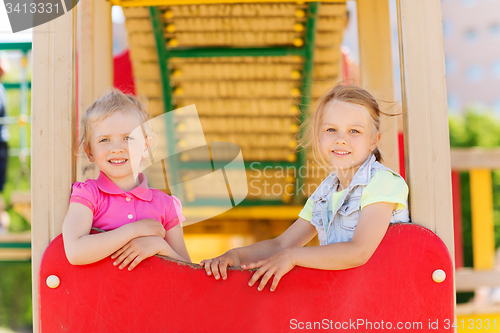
(142, 191)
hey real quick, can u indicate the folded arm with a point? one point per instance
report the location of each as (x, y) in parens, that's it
(82, 248)
(140, 248)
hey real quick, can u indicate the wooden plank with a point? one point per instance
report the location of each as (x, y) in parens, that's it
(231, 227)
(24, 237)
(468, 279)
(426, 116)
(142, 3)
(85, 45)
(483, 235)
(103, 47)
(245, 213)
(52, 135)
(375, 66)
(463, 159)
(15, 254)
(95, 66)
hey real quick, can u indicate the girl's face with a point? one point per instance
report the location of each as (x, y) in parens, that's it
(117, 145)
(346, 138)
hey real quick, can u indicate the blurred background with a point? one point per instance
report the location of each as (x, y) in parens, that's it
(224, 91)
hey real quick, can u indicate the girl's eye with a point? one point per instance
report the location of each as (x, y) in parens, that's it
(129, 138)
(354, 131)
(103, 140)
(331, 130)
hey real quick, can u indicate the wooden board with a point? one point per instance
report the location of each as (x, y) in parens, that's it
(394, 287)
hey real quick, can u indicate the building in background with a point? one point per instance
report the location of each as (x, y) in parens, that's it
(471, 30)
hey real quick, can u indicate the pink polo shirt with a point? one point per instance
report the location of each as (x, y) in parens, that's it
(113, 208)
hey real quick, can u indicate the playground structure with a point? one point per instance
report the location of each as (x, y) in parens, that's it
(80, 45)
(304, 296)
(17, 247)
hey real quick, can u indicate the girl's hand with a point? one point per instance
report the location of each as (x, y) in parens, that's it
(137, 250)
(277, 265)
(149, 227)
(218, 266)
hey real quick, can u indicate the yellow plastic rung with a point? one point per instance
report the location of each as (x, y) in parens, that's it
(483, 239)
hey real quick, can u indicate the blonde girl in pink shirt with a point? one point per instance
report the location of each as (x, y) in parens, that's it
(139, 221)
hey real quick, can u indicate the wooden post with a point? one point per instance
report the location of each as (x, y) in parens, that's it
(375, 62)
(53, 111)
(426, 116)
(54, 166)
(95, 65)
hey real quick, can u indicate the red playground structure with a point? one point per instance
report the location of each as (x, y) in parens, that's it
(406, 285)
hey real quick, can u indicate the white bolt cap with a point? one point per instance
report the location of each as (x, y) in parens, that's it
(53, 281)
(438, 275)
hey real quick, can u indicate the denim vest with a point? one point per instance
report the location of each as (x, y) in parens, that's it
(339, 225)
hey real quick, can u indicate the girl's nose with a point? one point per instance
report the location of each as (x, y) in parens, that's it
(340, 140)
(117, 148)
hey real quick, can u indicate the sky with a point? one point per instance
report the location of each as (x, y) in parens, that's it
(6, 34)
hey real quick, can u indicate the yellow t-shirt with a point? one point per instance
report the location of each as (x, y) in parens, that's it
(384, 186)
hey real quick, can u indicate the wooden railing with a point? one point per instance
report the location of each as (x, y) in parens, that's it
(479, 163)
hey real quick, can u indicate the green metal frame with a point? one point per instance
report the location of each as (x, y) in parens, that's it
(15, 245)
(14, 86)
(307, 80)
(157, 24)
(307, 52)
(236, 52)
(25, 47)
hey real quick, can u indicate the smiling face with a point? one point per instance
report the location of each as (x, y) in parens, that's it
(346, 137)
(117, 145)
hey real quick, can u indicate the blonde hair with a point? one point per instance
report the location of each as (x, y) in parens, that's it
(110, 102)
(343, 93)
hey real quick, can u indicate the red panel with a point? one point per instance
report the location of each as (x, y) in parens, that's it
(401, 143)
(123, 77)
(395, 286)
(457, 218)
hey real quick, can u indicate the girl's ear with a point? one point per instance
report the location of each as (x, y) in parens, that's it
(147, 147)
(86, 148)
(376, 141)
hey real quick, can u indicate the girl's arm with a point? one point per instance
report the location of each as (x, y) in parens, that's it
(175, 238)
(140, 248)
(298, 234)
(372, 226)
(82, 248)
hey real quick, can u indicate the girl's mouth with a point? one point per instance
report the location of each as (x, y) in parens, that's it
(341, 152)
(118, 162)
